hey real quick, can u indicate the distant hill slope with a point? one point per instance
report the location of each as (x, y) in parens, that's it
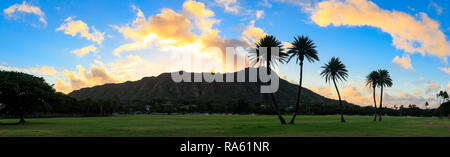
(163, 88)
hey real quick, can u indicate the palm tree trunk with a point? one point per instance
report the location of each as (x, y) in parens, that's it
(299, 93)
(277, 110)
(273, 97)
(22, 115)
(340, 101)
(374, 105)
(381, 105)
(22, 119)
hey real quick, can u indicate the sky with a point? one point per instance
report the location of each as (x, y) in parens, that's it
(74, 44)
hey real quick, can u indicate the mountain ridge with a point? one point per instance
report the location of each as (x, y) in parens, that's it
(162, 87)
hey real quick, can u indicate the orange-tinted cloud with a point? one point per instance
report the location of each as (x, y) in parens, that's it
(171, 31)
(404, 62)
(446, 70)
(412, 34)
(44, 70)
(85, 50)
(252, 34)
(81, 79)
(356, 95)
(431, 86)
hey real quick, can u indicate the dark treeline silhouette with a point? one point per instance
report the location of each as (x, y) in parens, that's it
(67, 106)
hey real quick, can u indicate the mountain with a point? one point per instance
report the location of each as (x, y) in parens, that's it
(163, 87)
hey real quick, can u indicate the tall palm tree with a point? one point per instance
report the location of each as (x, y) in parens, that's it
(332, 71)
(445, 96)
(384, 81)
(270, 59)
(302, 48)
(439, 96)
(372, 81)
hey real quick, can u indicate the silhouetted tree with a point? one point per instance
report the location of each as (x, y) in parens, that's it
(302, 48)
(372, 81)
(445, 96)
(384, 81)
(21, 93)
(445, 108)
(270, 59)
(332, 71)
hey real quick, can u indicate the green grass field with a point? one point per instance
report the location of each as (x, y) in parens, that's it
(221, 125)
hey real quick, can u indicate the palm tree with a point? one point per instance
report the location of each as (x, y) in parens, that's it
(445, 96)
(302, 48)
(384, 81)
(332, 71)
(439, 96)
(270, 59)
(372, 81)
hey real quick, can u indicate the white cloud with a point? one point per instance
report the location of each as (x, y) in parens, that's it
(436, 7)
(230, 5)
(265, 3)
(75, 27)
(25, 8)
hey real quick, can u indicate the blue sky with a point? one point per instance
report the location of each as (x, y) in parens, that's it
(72, 44)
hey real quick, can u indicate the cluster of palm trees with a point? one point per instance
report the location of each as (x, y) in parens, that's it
(302, 47)
(442, 96)
(382, 79)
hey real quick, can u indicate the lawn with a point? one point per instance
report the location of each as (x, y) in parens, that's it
(223, 125)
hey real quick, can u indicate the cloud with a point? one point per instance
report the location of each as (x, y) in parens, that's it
(134, 68)
(25, 8)
(349, 93)
(234, 7)
(265, 3)
(230, 5)
(252, 34)
(436, 7)
(306, 5)
(417, 92)
(352, 94)
(44, 70)
(85, 50)
(446, 70)
(431, 86)
(165, 28)
(356, 95)
(404, 62)
(413, 34)
(202, 16)
(259, 14)
(174, 32)
(97, 75)
(405, 99)
(75, 27)
(448, 86)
